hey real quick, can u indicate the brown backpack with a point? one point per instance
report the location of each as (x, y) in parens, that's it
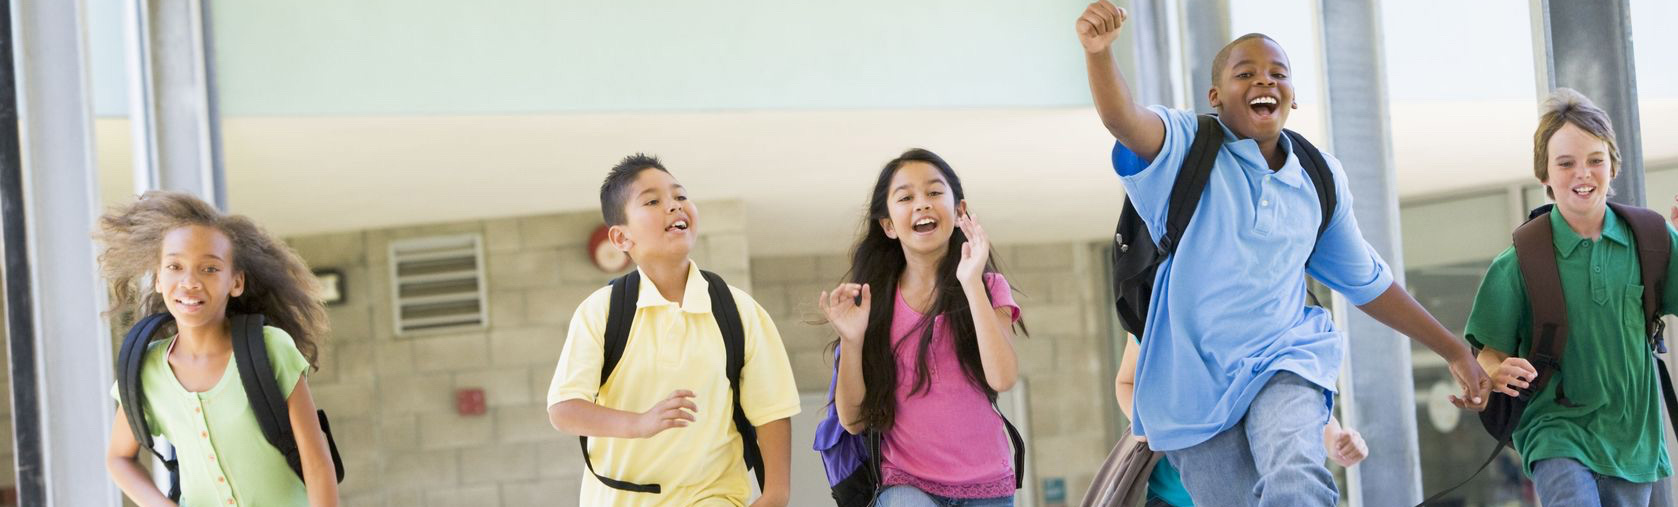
(1535, 250)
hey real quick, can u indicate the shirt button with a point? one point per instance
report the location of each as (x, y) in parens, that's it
(212, 457)
(197, 410)
(204, 434)
(221, 479)
(1265, 202)
(230, 501)
(1597, 269)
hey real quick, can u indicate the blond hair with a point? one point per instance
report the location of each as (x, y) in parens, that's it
(278, 284)
(1567, 106)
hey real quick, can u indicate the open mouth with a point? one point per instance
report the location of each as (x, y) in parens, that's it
(1584, 190)
(924, 225)
(189, 304)
(679, 225)
(1264, 106)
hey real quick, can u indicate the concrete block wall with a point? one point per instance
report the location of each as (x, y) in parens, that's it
(1067, 360)
(392, 398)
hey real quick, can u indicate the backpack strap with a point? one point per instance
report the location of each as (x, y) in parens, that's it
(1019, 448)
(1654, 252)
(1191, 181)
(727, 314)
(1311, 159)
(620, 314)
(267, 396)
(1536, 252)
(131, 359)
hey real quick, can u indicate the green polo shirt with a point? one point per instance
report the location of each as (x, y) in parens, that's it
(224, 458)
(1607, 368)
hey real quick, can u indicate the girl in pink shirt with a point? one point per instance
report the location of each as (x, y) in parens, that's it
(924, 369)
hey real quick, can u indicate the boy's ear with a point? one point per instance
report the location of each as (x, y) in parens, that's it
(1212, 98)
(620, 238)
(238, 284)
(885, 225)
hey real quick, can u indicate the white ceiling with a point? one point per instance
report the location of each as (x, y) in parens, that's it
(1031, 175)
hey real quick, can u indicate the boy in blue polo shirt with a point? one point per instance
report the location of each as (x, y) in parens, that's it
(1237, 373)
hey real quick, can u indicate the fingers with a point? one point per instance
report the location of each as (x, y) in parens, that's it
(1523, 366)
(865, 298)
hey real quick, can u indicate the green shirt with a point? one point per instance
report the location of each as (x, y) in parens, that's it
(224, 459)
(1607, 368)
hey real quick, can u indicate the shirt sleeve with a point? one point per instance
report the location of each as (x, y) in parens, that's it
(577, 377)
(1343, 260)
(1669, 293)
(1002, 295)
(289, 363)
(767, 389)
(1148, 185)
(1501, 316)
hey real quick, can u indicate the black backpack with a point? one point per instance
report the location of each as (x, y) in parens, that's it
(1536, 253)
(621, 313)
(256, 372)
(1137, 256)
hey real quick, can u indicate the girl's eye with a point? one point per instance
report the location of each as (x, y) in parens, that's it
(681, 198)
(935, 193)
(212, 269)
(653, 202)
(172, 267)
(903, 199)
(1279, 76)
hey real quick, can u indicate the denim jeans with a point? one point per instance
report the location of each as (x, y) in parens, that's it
(1562, 481)
(1273, 457)
(908, 496)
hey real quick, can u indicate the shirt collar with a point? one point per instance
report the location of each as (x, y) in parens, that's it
(1567, 241)
(1247, 152)
(695, 299)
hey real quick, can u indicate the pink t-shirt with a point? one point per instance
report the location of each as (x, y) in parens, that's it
(947, 440)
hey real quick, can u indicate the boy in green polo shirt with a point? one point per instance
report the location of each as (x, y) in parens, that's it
(1603, 444)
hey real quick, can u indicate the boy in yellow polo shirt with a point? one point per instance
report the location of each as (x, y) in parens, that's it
(662, 420)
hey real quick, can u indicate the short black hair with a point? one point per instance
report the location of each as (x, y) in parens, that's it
(613, 190)
(1222, 59)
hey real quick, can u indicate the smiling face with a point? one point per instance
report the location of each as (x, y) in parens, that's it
(196, 276)
(660, 221)
(921, 209)
(1579, 170)
(1253, 92)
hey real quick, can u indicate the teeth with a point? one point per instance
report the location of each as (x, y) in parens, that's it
(1263, 100)
(924, 221)
(680, 224)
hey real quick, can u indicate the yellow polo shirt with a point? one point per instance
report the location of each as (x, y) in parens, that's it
(675, 346)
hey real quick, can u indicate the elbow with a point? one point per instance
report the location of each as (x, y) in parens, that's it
(855, 428)
(1002, 383)
(557, 416)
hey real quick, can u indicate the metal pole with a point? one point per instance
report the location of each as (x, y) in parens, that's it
(1380, 397)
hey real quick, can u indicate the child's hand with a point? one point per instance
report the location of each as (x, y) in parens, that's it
(1100, 25)
(1511, 376)
(1673, 217)
(975, 253)
(1476, 386)
(846, 307)
(1346, 446)
(675, 411)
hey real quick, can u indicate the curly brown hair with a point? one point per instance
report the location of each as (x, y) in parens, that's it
(278, 284)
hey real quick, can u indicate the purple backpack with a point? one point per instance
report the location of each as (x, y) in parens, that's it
(852, 470)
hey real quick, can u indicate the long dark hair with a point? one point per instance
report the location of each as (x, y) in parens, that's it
(878, 260)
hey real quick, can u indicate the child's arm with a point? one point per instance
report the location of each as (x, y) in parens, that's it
(1398, 310)
(320, 475)
(1133, 125)
(1344, 445)
(580, 417)
(850, 319)
(1124, 384)
(1509, 374)
(125, 470)
(992, 326)
(774, 439)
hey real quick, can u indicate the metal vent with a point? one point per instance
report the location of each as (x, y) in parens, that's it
(438, 283)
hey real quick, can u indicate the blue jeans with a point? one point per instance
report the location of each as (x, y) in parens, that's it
(1562, 481)
(1273, 457)
(908, 496)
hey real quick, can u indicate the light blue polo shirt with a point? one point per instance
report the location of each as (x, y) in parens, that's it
(1229, 306)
